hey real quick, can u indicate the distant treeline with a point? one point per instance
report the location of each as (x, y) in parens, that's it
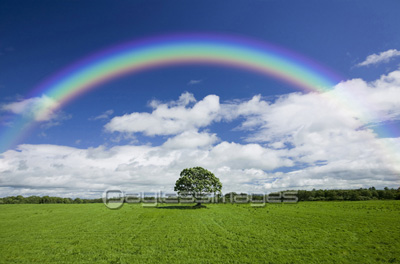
(335, 195)
(302, 195)
(45, 200)
(349, 195)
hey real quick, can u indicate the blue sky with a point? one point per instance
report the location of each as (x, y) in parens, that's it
(40, 38)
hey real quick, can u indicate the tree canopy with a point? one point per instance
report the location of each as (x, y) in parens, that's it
(197, 181)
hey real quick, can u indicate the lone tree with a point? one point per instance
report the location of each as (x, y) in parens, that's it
(197, 182)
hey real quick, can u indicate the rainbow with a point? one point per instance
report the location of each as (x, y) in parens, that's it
(191, 49)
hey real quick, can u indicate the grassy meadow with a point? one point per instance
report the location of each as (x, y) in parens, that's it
(306, 232)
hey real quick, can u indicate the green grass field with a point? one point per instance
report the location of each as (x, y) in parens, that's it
(306, 232)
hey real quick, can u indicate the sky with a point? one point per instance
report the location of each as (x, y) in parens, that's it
(255, 132)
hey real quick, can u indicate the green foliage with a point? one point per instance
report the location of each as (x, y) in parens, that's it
(313, 232)
(349, 195)
(197, 181)
(45, 200)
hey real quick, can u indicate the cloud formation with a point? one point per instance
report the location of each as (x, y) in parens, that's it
(298, 141)
(60, 170)
(105, 115)
(193, 82)
(37, 108)
(168, 118)
(191, 139)
(384, 56)
(137, 168)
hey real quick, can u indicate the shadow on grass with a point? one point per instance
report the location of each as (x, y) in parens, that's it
(182, 207)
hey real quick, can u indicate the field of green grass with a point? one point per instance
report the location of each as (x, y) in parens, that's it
(306, 232)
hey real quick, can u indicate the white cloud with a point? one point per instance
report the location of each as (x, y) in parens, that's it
(251, 108)
(193, 82)
(105, 115)
(320, 139)
(331, 127)
(367, 170)
(185, 99)
(168, 118)
(68, 171)
(37, 108)
(377, 101)
(191, 139)
(351, 104)
(137, 168)
(384, 56)
(249, 156)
